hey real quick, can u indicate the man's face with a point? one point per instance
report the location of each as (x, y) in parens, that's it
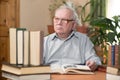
(63, 21)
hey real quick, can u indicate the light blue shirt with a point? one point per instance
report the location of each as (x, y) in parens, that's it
(76, 49)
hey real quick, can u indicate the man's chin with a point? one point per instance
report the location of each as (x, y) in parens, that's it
(59, 32)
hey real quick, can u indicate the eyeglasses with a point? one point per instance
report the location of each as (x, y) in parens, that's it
(66, 21)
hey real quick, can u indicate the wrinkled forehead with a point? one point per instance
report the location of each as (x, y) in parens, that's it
(64, 13)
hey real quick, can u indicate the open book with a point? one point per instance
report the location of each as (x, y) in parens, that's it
(71, 69)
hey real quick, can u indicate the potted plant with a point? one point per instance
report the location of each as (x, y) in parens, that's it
(54, 5)
(105, 32)
(107, 29)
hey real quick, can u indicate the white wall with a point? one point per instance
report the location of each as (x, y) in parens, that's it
(34, 14)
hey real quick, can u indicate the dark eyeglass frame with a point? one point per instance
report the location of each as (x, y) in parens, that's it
(66, 21)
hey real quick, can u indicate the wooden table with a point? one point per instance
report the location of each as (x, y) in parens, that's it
(97, 76)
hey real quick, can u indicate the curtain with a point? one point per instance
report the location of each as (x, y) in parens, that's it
(98, 8)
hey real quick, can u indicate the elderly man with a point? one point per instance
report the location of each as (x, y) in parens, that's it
(66, 45)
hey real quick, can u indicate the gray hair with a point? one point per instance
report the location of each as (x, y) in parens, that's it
(69, 5)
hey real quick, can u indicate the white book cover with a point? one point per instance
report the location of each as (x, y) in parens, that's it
(20, 46)
(12, 35)
(26, 77)
(112, 77)
(36, 46)
(26, 47)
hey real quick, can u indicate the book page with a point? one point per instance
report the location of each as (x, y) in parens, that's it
(71, 69)
(56, 68)
(72, 66)
(83, 67)
(76, 69)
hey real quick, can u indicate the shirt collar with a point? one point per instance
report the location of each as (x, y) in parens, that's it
(70, 36)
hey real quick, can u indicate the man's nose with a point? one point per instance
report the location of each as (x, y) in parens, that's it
(59, 21)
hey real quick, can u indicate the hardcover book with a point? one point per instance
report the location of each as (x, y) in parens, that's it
(114, 56)
(22, 70)
(112, 77)
(109, 57)
(117, 53)
(36, 48)
(14, 46)
(113, 70)
(26, 48)
(20, 46)
(26, 77)
(13, 36)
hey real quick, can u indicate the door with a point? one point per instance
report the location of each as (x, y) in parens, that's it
(9, 17)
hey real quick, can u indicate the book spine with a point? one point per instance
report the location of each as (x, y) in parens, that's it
(109, 56)
(29, 48)
(12, 36)
(26, 48)
(119, 55)
(112, 55)
(20, 45)
(41, 47)
(35, 48)
(116, 55)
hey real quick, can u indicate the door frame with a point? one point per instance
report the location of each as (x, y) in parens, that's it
(17, 15)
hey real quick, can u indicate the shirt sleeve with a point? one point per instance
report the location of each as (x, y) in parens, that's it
(45, 49)
(90, 53)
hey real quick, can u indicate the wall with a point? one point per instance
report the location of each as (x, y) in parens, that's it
(34, 14)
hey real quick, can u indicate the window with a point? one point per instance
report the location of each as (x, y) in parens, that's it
(113, 8)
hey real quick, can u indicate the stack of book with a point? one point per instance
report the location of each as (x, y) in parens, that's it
(113, 73)
(26, 56)
(113, 66)
(114, 55)
(19, 72)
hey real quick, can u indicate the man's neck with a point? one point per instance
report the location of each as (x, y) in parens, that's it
(63, 35)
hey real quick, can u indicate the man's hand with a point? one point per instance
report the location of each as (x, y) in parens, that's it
(92, 65)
